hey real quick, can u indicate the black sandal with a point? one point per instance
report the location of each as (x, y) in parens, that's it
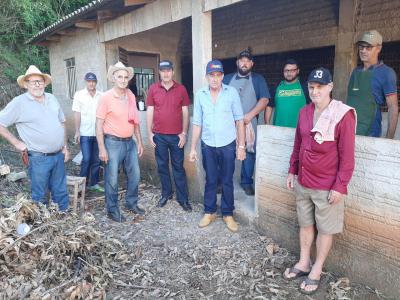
(309, 281)
(298, 273)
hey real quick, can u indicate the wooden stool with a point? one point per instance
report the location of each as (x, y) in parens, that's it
(79, 185)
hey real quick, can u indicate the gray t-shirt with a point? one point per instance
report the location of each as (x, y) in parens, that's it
(38, 124)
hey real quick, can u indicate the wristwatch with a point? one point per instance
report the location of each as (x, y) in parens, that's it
(241, 147)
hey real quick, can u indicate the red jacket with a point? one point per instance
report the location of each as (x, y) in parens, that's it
(326, 166)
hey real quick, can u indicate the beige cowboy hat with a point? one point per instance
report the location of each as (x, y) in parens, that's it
(119, 66)
(33, 70)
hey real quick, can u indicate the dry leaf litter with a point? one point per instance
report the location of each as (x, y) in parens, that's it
(163, 255)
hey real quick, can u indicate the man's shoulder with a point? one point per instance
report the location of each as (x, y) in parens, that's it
(228, 77)
(384, 69)
(51, 97)
(257, 76)
(229, 88)
(20, 98)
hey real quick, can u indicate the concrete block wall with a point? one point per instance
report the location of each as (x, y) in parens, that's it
(89, 56)
(274, 26)
(368, 250)
(382, 15)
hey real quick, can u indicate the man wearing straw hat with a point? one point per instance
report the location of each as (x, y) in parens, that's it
(40, 124)
(117, 122)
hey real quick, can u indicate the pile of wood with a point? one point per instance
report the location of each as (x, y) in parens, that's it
(60, 256)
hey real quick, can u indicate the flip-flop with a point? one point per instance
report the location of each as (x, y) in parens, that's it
(309, 281)
(298, 273)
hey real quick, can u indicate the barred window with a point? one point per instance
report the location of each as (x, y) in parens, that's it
(71, 76)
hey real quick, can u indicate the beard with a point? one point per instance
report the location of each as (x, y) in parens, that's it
(244, 72)
(291, 80)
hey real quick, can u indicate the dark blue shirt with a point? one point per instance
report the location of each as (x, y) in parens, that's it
(259, 84)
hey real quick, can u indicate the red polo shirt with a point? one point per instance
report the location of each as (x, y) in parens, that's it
(326, 166)
(167, 117)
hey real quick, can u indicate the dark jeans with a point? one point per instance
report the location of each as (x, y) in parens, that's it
(166, 147)
(90, 159)
(48, 173)
(247, 171)
(121, 153)
(219, 163)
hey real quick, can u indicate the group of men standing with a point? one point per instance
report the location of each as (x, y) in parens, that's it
(225, 118)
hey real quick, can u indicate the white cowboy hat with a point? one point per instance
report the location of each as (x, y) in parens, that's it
(33, 70)
(119, 66)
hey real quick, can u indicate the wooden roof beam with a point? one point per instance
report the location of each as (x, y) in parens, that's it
(54, 38)
(67, 32)
(106, 15)
(86, 24)
(137, 2)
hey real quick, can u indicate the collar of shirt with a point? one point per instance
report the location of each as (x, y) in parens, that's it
(30, 97)
(96, 94)
(120, 97)
(174, 85)
(377, 65)
(242, 77)
(206, 89)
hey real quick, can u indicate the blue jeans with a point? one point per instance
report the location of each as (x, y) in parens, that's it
(166, 147)
(121, 153)
(90, 164)
(219, 164)
(247, 171)
(48, 173)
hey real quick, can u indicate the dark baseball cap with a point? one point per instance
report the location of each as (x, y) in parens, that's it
(245, 53)
(90, 77)
(321, 76)
(214, 66)
(165, 64)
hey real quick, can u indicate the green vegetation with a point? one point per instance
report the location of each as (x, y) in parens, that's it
(19, 21)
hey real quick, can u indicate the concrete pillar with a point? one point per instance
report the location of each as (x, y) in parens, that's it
(345, 51)
(201, 42)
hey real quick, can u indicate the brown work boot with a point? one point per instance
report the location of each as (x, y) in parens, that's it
(207, 220)
(230, 223)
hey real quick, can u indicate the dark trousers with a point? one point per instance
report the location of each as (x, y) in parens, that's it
(90, 164)
(219, 165)
(166, 148)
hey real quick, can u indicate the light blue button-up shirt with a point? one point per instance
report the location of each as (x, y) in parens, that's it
(217, 121)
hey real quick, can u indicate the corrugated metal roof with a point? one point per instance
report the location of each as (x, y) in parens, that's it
(63, 22)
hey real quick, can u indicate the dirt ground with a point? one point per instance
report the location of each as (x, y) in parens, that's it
(171, 258)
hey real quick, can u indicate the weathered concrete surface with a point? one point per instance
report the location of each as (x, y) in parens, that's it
(368, 251)
(89, 56)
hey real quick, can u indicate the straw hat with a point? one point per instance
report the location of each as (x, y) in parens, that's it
(117, 67)
(33, 70)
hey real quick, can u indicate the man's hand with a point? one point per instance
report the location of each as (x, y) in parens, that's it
(21, 146)
(182, 140)
(77, 137)
(290, 181)
(193, 156)
(103, 155)
(66, 154)
(247, 119)
(151, 139)
(335, 197)
(240, 154)
(140, 149)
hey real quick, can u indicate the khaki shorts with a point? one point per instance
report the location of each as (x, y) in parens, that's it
(313, 208)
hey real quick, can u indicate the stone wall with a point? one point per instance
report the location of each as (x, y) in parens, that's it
(368, 251)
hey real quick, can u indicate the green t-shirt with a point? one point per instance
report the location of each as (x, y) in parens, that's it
(289, 99)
